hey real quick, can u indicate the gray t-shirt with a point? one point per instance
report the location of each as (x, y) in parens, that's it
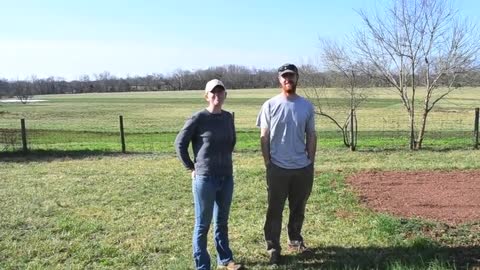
(213, 139)
(288, 120)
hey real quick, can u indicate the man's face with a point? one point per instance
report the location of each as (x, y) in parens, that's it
(288, 81)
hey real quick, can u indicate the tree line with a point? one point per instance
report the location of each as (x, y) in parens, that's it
(234, 77)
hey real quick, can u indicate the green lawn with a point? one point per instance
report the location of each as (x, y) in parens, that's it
(135, 211)
(152, 119)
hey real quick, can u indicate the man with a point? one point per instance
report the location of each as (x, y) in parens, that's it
(288, 141)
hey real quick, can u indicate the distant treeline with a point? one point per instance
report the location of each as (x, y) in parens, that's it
(234, 77)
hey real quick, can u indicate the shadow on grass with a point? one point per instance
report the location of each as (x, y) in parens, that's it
(381, 258)
(406, 149)
(51, 155)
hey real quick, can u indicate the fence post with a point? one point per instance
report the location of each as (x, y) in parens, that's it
(352, 130)
(122, 135)
(24, 136)
(475, 132)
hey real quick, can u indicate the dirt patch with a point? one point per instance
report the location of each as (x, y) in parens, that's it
(449, 197)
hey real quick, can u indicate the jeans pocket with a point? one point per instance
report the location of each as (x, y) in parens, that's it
(204, 178)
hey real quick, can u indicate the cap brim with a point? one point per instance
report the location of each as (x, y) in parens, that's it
(287, 71)
(215, 86)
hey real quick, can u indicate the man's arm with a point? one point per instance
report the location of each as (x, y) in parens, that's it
(265, 144)
(311, 145)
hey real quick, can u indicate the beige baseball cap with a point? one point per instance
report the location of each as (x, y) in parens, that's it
(212, 84)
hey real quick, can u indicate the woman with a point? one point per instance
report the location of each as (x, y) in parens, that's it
(212, 134)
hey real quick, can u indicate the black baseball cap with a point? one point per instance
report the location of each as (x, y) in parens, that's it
(287, 68)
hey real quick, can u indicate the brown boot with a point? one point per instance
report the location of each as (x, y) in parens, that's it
(231, 266)
(299, 247)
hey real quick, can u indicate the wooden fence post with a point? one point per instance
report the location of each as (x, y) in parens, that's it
(475, 132)
(122, 135)
(352, 130)
(24, 136)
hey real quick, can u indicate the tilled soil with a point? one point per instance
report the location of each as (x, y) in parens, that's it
(449, 197)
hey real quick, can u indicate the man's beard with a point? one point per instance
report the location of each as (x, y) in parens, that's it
(291, 90)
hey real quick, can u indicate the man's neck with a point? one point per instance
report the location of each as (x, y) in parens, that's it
(289, 95)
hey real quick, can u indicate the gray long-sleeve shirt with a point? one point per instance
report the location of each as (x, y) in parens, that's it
(213, 139)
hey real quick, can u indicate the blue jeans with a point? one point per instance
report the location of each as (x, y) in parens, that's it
(212, 196)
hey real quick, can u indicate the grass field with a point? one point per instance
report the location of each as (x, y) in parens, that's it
(89, 209)
(152, 119)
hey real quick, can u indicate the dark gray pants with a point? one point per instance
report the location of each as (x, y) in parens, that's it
(294, 184)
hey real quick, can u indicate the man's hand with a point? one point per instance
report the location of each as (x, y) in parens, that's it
(265, 145)
(311, 146)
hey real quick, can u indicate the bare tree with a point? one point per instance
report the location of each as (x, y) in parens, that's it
(23, 91)
(419, 47)
(348, 74)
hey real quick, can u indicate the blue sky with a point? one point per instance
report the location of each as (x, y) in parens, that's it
(125, 37)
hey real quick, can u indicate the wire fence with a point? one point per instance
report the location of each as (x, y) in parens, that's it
(444, 133)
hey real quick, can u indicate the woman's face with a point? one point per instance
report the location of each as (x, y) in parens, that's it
(216, 97)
